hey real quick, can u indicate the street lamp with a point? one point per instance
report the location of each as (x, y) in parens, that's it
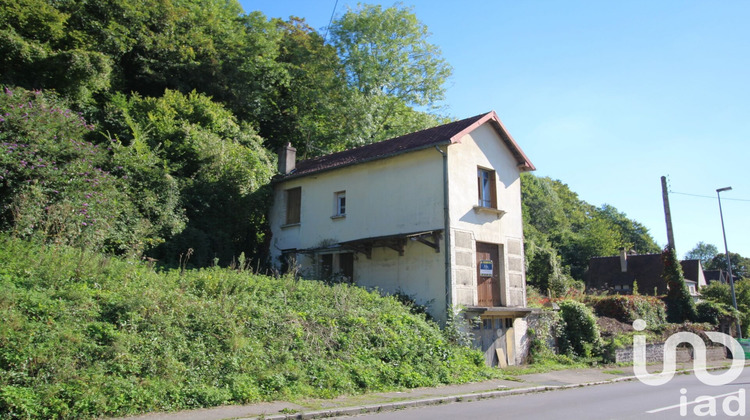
(729, 262)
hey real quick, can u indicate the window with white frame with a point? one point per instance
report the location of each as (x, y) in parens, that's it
(486, 188)
(339, 204)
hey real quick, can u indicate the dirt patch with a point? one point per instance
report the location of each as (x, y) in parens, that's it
(610, 327)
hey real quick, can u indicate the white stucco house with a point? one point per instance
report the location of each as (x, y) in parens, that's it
(434, 214)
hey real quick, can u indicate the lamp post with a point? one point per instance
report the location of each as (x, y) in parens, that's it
(729, 262)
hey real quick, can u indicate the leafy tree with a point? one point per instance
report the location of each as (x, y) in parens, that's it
(545, 270)
(634, 235)
(390, 67)
(309, 111)
(38, 52)
(740, 264)
(680, 305)
(721, 293)
(558, 222)
(703, 252)
(220, 167)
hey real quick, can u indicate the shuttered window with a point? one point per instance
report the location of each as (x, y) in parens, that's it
(293, 202)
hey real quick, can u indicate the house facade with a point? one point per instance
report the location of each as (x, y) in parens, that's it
(435, 215)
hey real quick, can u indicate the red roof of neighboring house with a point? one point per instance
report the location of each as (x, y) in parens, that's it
(444, 134)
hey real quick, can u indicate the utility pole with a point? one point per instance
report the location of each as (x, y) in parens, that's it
(729, 261)
(667, 213)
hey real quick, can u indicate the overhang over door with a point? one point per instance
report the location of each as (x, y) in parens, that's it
(488, 285)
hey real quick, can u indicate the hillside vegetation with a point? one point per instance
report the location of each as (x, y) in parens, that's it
(562, 232)
(85, 335)
(151, 128)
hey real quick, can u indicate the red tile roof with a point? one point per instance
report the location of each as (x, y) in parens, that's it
(443, 134)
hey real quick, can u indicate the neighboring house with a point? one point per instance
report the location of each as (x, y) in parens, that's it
(617, 274)
(716, 276)
(434, 214)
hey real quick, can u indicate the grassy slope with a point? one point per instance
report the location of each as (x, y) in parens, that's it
(85, 335)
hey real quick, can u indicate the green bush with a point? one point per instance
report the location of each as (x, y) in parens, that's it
(708, 312)
(580, 334)
(546, 327)
(627, 309)
(84, 335)
(57, 185)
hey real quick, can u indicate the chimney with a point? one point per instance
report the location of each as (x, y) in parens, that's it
(623, 260)
(287, 159)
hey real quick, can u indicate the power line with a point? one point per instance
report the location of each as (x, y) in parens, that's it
(708, 196)
(325, 38)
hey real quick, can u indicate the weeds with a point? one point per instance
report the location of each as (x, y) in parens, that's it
(84, 335)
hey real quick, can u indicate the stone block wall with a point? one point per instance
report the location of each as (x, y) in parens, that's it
(464, 268)
(655, 353)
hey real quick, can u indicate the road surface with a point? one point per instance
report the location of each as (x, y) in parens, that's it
(684, 397)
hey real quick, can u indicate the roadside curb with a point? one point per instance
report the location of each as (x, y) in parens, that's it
(394, 406)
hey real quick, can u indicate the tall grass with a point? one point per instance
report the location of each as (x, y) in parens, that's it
(86, 335)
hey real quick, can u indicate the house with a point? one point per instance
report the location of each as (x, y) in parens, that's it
(618, 274)
(716, 276)
(434, 214)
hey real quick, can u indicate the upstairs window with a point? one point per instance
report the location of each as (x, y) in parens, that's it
(339, 204)
(487, 188)
(293, 202)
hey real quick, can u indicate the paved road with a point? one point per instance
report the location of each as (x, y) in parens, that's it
(621, 400)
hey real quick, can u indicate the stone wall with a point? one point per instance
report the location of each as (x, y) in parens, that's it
(516, 283)
(655, 353)
(464, 269)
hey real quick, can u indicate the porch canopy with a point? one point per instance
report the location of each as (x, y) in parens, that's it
(395, 242)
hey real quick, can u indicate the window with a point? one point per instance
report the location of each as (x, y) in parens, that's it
(487, 323)
(293, 201)
(486, 187)
(339, 204)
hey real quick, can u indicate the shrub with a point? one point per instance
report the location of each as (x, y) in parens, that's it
(580, 334)
(708, 312)
(56, 185)
(542, 332)
(625, 308)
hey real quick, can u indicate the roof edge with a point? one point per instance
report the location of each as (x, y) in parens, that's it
(292, 175)
(524, 164)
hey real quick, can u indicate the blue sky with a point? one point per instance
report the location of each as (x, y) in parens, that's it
(605, 96)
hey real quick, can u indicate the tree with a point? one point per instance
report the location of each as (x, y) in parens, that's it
(220, 166)
(558, 222)
(634, 235)
(740, 264)
(680, 305)
(309, 111)
(390, 67)
(703, 252)
(721, 293)
(37, 52)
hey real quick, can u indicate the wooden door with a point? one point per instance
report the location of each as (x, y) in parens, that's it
(488, 286)
(495, 339)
